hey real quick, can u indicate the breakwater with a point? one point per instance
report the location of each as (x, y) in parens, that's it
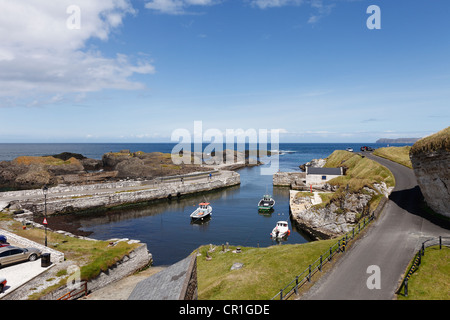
(66, 199)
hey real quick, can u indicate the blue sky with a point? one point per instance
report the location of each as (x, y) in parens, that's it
(135, 71)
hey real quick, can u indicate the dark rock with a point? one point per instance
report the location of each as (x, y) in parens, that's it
(67, 155)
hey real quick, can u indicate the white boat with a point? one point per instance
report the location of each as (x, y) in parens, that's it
(203, 211)
(349, 149)
(281, 230)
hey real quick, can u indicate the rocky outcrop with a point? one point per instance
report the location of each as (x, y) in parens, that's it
(35, 172)
(330, 220)
(314, 163)
(430, 158)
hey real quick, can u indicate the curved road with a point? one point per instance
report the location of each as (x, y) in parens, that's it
(390, 244)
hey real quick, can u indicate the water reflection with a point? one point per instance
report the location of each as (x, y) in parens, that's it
(155, 208)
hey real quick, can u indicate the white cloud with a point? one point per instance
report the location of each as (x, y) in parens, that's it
(275, 3)
(177, 6)
(41, 58)
(322, 10)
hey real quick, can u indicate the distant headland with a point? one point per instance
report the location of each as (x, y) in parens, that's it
(398, 140)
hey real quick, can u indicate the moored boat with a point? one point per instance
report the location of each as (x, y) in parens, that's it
(281, 230)
(266, 203)
(203, 211)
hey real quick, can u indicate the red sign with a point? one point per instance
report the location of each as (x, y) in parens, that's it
(45, 221)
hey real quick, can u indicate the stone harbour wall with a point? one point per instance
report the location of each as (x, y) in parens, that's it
(80, 199)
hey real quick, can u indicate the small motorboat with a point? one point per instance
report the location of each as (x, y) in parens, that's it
(203, 211)
(266, 203)
(349, 149)
(281, 230)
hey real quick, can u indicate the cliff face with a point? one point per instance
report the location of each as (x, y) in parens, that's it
(430, 158)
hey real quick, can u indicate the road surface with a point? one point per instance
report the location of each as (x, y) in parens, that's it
(389, 245)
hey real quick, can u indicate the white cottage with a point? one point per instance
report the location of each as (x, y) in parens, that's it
(317, 176)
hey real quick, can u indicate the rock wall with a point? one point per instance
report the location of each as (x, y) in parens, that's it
(432, 171)
(430, 158)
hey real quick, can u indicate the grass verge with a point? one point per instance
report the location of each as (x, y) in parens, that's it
(431, 281)
(396, 154)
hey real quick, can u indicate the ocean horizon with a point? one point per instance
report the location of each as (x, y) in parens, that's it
(10, 151)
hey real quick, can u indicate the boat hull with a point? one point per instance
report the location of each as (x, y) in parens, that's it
(201, 214)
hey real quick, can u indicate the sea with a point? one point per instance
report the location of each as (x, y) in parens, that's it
(165, 226)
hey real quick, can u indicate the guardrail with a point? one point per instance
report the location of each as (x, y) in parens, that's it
(317, 266)
(436, 241)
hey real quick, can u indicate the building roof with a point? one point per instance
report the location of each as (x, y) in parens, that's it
(324, 171)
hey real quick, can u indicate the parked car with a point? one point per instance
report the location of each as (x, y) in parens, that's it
(366, 148)
(13, 254)
(2, 284)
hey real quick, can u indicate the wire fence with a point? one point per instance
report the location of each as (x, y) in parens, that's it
(317, 266)
(436, 241)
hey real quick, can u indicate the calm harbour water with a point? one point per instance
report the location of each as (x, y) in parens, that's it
(165, 226)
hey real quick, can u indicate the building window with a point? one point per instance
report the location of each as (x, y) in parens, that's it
(324, 177)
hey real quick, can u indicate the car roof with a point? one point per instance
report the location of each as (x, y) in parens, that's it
(2, 249)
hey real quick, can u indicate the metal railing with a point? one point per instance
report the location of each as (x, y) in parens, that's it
(436, 241)
(76, 293)
(317, 266)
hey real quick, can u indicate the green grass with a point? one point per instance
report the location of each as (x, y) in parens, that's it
(265, 270)
(431, 281)
(435, 142)
(361, 172)
(396, 154)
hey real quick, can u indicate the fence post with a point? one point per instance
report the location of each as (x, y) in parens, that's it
(281, 294)
(329, 258)
(423, 248)
(296, 285)
(440, 242)
(406, 287)
(309, 276)
(320, 266)
(353, 232)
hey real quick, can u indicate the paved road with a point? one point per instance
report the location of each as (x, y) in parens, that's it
(389, 244)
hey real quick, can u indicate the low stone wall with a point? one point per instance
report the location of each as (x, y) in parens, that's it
(286, 179)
